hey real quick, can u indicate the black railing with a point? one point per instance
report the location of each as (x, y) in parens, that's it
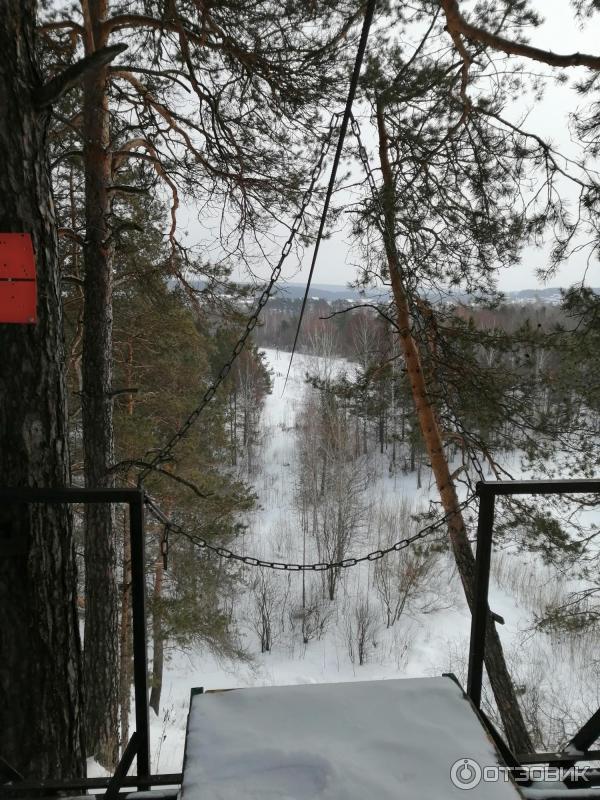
(139, 746)
(487, 493)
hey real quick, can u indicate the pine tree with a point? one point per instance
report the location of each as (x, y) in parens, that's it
(166, 350)
(223, 129)
(41, 703)
(451, 213)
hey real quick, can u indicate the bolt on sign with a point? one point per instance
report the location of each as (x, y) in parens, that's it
(18, 287)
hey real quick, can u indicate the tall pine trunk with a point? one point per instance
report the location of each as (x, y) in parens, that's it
(101, 639)
(497, 670)
(40, 669)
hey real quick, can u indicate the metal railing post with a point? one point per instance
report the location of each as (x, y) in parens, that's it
(480, 610)
(140, 655)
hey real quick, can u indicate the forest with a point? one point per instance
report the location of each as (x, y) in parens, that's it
(169, 161)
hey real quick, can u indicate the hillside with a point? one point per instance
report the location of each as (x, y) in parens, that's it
(431, 633)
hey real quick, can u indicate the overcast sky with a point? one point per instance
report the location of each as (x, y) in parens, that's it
(560, 33)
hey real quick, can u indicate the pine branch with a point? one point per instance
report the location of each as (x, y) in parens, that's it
(458, 25)
(361, 306)
(56, 87)
(129, 463)
(67, 233)
(126, 189)
(65, 24)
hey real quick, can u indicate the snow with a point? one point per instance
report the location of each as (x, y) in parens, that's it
(345, 741)
(419, 645)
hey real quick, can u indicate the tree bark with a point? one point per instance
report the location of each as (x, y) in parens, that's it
(101, 639)
(40, 655)
(497, 670)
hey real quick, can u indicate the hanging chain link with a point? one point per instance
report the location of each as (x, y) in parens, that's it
(375, 555)
(166, 452)
(364, 157)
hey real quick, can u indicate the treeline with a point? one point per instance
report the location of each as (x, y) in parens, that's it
(279, 321)
(504, 376)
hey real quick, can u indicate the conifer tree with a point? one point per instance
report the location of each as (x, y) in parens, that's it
(216, 101)
(41, 703)
(451, 212)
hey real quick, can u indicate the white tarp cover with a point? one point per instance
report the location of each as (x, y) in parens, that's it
(371, 740)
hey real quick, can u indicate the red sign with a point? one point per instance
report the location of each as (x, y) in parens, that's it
(18, 290)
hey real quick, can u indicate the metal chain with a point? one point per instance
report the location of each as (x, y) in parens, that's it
(166, 451)
(250, 561)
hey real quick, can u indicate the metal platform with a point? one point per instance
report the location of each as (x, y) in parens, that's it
(384, 740)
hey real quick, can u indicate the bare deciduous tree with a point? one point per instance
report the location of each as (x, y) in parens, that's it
(313, 614)
(332, 491)
(402, 577)
(342, 513)
(361, 630)
(266, 598)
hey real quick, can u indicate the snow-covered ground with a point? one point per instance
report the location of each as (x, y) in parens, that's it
(337, 742)
(424, 642)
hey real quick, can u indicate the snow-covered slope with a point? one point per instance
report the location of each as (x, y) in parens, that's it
(430, 637)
